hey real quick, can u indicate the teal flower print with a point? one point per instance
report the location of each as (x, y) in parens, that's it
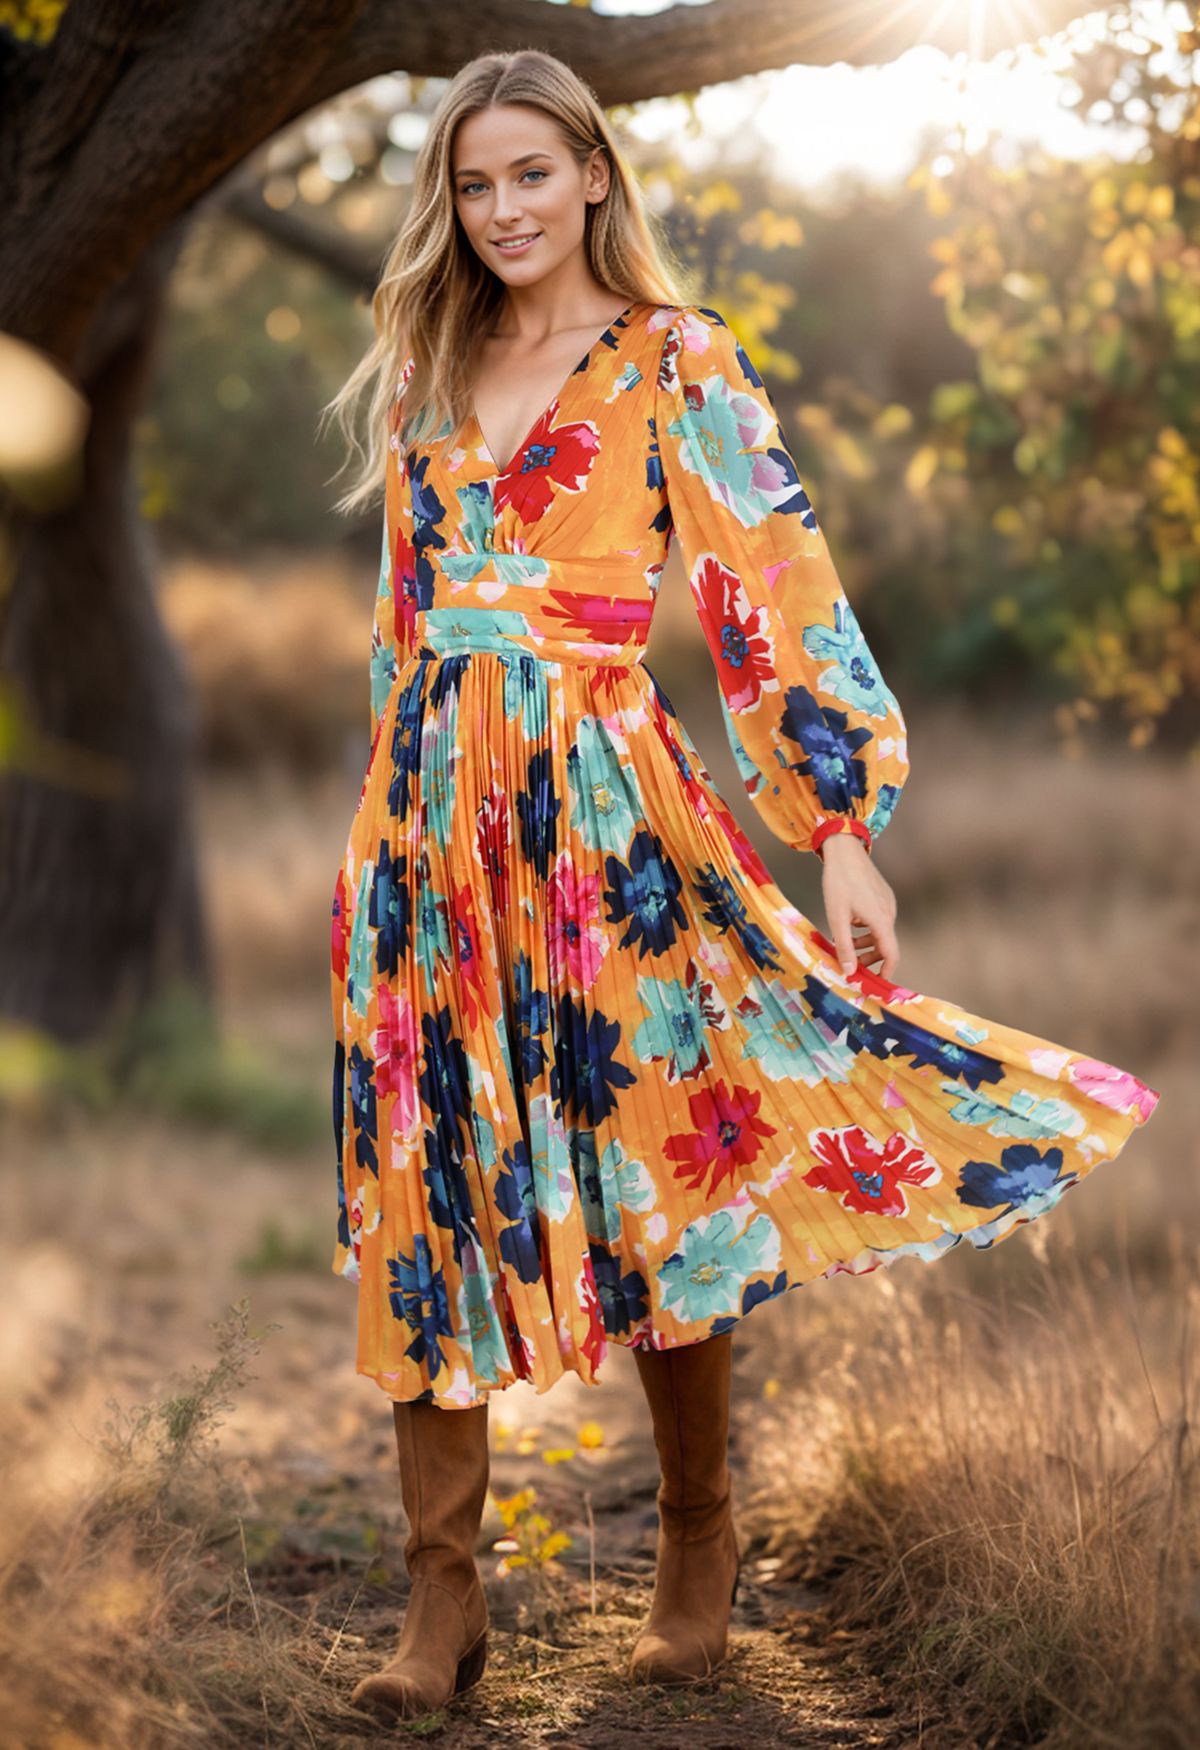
(383, 649)
(853, 673)
(553, 1179)
(442, 754)
(716, 441)
(476, 1306)
(636, 1189)
(432, 939)
(525, 689)
(605, 805)
(1025, 1115)
(674, 1032)
(704, 1277)
(885, 807)
(784, 1037)
(358, 979)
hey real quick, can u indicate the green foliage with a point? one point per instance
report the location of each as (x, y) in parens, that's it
(1077, 286)
(255, 342)
(162, 1454)
(173, 1059)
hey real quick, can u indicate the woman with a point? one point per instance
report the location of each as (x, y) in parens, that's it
(595, 1077)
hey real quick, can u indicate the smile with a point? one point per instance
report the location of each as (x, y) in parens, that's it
(511, 244)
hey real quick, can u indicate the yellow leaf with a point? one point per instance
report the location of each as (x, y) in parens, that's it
(553, 1544)
(591, 1434)
(556, 1454)
(921, 468)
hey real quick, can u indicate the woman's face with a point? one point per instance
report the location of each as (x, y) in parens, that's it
(514, 178)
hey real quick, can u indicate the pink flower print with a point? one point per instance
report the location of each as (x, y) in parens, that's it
(1114, 1087)
(577, 941)
(395, 1050)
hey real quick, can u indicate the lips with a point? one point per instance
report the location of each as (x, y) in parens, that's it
(510, 245)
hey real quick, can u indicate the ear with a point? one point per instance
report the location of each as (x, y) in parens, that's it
(597, 175)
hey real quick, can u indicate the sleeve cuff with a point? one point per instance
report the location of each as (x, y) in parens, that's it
(841, 823)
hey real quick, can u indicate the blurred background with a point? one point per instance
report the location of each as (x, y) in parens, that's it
(963, 248)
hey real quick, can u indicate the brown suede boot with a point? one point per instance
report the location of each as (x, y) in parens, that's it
(696, 1581)
(444, 1467)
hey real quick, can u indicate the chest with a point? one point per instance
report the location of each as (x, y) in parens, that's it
(514, 390)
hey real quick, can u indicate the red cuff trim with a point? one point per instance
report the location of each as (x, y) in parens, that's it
(841, 823)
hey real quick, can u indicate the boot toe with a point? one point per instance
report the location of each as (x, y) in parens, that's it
(656, 1659)
(383, 1693)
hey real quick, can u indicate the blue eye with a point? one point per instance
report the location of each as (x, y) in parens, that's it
(532, 171)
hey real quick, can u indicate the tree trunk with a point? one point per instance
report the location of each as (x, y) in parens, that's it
(99, 900)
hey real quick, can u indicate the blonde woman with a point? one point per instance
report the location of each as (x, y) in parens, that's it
(596, 1080)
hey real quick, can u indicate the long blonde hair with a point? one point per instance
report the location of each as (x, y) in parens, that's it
(436, 300)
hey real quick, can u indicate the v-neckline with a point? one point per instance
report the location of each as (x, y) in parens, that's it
(583, 364)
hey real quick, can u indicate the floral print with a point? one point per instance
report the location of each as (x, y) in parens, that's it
(595, 1079)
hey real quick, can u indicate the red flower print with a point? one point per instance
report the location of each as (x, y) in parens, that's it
(559, 456)
(744, 851)
(467, 955)
(595, 1344)
(726, 1136)
(736, 633)
(493, 840)
(868, 1178)
(341, 926)
(873, 983)
(603, 619)
(405, 610)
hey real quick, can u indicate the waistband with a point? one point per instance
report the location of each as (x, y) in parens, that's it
(583, 612)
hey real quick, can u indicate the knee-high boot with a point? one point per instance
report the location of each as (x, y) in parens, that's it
(687, 1388)
(444, 1468)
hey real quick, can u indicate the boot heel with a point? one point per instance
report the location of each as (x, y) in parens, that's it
(470, 1666)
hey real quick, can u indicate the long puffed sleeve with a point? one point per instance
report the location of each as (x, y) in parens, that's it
(818, 735)
(388, 631)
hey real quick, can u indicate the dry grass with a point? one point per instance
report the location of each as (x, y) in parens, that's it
(1002, 1498)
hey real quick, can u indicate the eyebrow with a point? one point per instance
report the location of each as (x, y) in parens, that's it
(523, 160)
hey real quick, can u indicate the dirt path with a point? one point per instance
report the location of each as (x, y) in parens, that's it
(147, 1253)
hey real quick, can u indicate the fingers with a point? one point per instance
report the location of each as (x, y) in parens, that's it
(843, 940)
(877, 945)
(862, 945)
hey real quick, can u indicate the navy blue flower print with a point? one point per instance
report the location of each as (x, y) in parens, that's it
(538, 807)
(520, 1242)
(646, 892)
(389, 911)
(1024, 1174)
(418, 1297)
(623, 1294)
(831, 745)
(726, 909)
(586, 1069)
(362, 1102)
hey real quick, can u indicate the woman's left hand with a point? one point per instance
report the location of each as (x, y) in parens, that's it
(856, 894)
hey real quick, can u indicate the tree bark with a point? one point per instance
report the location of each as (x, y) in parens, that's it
(99, 899)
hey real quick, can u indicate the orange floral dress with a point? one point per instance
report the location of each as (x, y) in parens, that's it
(595, 1078)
